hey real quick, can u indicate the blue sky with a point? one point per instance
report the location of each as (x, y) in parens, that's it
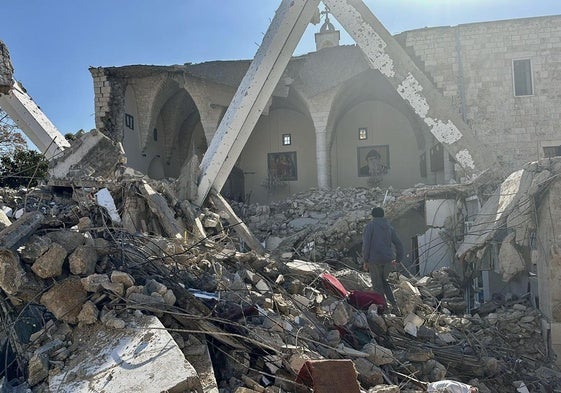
(53, 42)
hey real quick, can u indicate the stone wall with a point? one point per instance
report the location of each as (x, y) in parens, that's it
(109, 98)
(472, 64)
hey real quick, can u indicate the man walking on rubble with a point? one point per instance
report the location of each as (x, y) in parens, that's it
(378, 254)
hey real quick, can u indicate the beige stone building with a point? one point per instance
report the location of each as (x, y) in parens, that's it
(502, 77)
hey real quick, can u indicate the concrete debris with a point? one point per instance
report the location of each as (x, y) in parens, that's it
(6, 70)
(88, 161)
(125, 360)
(119, 302)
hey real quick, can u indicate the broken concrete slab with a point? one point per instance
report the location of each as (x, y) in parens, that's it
(511, 263)
(90, 158)
(305, 268)
(158, 205)
(239, 226)
(25, 226)
(496, 210)
(142, 357)
(4, 220)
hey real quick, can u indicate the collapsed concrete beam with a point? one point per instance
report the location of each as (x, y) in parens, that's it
(257, 86)
(6, 70)
(142, 357)
(235, 222)
(24, 227)
(30, 119)
(384, 54)
(159, 206)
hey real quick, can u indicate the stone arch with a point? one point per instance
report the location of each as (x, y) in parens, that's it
(287, 114)
(156, 168)
(367, 101)
(175, 119)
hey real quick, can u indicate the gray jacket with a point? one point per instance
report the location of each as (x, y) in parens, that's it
(377, 240)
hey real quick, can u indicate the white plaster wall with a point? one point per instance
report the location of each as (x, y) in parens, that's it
(266, 138)
(512, 126)
(131, 138)
(386, 126)
(154, 150)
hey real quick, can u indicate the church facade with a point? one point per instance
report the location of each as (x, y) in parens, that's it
(502, 77)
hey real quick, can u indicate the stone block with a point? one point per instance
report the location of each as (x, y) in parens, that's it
(50, 263)
(141, 357)
(378, 354)
(88, 314)
(368, 373)
(38, 369)
(122, 277)
(70, 240)
(11, 272)
(83, 260)
(34, 248)
(94, 282)
(65, 299)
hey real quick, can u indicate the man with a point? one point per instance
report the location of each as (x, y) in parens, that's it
(377, 240)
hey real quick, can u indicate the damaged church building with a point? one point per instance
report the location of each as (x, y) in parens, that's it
(334, 121)
(211, 225)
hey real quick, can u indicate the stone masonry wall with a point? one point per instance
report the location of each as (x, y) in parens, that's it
(474, 61)
(109, 99)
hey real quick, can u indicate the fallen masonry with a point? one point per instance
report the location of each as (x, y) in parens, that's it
(86, 297)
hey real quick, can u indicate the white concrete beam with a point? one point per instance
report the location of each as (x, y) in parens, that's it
(33, 122)
(265, 71)
(384, 54)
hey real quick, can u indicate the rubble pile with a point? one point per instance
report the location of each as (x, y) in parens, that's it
(91, 302)
(317, 225)
(321, 225)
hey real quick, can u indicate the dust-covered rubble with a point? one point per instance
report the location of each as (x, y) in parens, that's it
(246, 322)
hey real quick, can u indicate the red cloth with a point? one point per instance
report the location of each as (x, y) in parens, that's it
(359, 299)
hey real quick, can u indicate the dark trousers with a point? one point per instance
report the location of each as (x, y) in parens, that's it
(379, 273)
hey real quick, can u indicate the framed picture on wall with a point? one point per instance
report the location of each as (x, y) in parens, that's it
(282, 166)
(373, 161)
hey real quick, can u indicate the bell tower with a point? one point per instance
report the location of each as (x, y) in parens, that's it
(327, 36)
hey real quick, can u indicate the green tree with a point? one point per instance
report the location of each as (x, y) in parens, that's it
(11, 138)
(19, 166)
(23, 168)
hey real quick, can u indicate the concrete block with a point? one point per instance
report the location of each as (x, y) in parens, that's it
(142, 357)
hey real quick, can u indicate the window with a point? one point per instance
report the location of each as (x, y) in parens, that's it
(129, 121)
(155, 134)
(551, 151)
(362, 133)
(522, 75)
(286, 139)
